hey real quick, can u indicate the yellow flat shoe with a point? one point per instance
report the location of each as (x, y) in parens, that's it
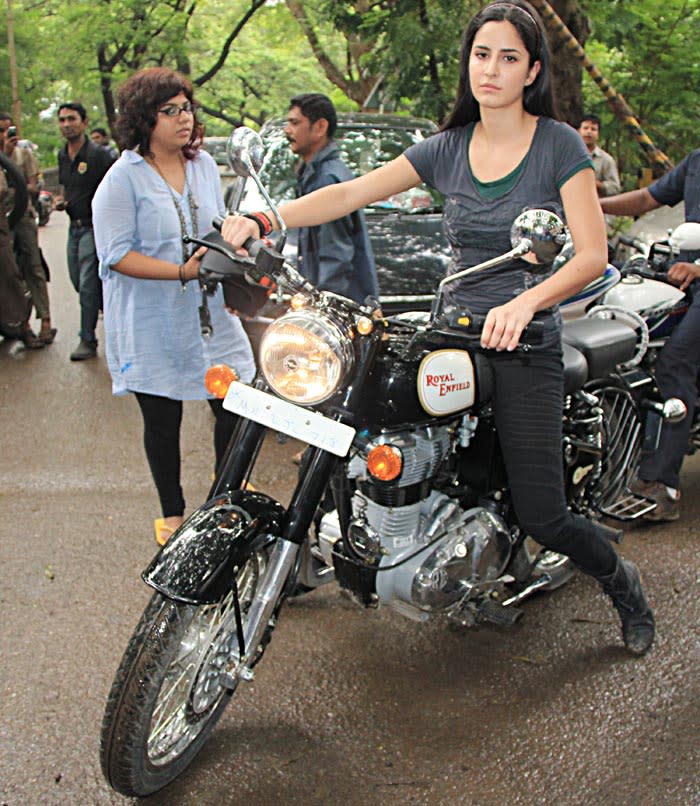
(163, 531)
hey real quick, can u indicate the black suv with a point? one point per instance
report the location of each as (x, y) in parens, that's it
(406, 231)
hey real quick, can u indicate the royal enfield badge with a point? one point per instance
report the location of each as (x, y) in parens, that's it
(446, 382)
(82, 167)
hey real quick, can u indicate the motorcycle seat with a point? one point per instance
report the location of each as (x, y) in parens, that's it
(575, 368)
(605, 343)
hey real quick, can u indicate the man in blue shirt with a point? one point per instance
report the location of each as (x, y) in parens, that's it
(679, 360)
(336, 256)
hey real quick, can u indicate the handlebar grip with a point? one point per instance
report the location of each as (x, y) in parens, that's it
(473, 324)
(251, 245)
(629, 240)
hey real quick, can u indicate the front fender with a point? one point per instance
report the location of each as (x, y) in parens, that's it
(197, 564)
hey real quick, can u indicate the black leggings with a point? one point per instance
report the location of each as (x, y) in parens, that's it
(528, 403)
(161, 439)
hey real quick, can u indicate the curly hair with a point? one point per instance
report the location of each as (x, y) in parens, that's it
(138, 102)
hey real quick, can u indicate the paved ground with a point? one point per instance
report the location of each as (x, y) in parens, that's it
(348, 706)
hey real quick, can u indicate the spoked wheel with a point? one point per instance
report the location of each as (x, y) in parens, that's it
(167, 694)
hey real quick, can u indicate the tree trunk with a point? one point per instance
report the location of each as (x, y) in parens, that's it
(567, 73)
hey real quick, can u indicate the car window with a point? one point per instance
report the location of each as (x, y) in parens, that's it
(363, 148)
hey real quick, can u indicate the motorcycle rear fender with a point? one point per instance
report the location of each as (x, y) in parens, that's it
(197, 564)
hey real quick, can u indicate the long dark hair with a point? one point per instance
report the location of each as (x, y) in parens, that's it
(538, 98)
(139, 100)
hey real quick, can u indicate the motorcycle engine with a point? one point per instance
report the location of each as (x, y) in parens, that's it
(428, 553)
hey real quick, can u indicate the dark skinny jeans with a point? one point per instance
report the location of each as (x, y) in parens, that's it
(161, 439)
(528, 403)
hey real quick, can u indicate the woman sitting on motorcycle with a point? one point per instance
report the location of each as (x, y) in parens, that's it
(501, 151)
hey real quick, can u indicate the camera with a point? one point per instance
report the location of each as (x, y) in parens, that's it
(12, 131)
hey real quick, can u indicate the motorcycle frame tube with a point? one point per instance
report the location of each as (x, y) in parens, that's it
(267, 597)
(241, 453)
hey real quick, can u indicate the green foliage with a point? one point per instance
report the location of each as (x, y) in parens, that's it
(643, 48)
(415, 48)
(409, 47)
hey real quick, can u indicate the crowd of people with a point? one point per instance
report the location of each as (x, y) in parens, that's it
(500, 149)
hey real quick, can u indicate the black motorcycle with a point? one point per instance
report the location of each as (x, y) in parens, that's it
(401, 499)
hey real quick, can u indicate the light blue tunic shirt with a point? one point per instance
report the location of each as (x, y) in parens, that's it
(152, 329)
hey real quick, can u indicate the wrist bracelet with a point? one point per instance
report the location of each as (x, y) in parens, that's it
(263, 222)
(181, 276)
(269, 221)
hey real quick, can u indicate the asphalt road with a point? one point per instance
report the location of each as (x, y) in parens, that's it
(348, 706)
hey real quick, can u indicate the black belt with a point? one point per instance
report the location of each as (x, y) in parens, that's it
(81, 222)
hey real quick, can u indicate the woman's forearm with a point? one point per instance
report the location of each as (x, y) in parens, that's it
(335, 201)
(568, 280)
(134, 264)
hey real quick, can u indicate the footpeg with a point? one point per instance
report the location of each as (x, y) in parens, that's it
(493, 612)
(629, 507)
(541, 583)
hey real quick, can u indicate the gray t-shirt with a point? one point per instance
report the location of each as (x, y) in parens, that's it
(478, 228)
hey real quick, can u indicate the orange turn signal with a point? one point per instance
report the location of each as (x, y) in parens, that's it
(218, 379)
(364, 326)
(384, 462)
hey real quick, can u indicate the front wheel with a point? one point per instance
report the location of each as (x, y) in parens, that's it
(167, 694)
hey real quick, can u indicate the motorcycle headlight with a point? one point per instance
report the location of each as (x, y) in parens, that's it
(305, 357)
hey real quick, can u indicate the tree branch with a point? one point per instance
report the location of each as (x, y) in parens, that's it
(214, 69)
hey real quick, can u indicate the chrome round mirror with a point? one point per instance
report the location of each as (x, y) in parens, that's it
(244, 151)
(566, 253)
(546, 232)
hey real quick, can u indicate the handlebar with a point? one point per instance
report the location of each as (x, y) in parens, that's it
(650, 274)
(251, 245)
(641, 267)
(472, 324)
(635, 243)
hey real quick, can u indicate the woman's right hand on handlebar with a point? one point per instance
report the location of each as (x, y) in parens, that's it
(237, 229)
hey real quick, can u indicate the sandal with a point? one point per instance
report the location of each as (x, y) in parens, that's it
(163, 531)
(47, 336)
(31, 341)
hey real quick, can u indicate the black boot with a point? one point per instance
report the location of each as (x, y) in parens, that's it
(624, 587)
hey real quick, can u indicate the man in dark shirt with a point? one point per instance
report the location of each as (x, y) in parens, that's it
(335, 256)
(679, 360)
(81, 167)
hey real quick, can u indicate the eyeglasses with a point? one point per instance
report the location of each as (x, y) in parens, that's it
(173, 110)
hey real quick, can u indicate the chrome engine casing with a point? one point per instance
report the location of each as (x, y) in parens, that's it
(430, 555)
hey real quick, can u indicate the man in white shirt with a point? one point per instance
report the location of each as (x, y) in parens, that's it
(607, 179)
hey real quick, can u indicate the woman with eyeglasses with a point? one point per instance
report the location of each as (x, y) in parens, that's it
(163, 186)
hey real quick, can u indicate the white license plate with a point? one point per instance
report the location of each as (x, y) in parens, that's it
(290, 419)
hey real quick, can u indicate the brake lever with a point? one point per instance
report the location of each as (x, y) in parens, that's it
(222, 250)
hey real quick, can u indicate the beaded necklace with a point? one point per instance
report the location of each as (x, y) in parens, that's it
(191, 201)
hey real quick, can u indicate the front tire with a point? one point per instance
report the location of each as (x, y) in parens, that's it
(167, 696)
